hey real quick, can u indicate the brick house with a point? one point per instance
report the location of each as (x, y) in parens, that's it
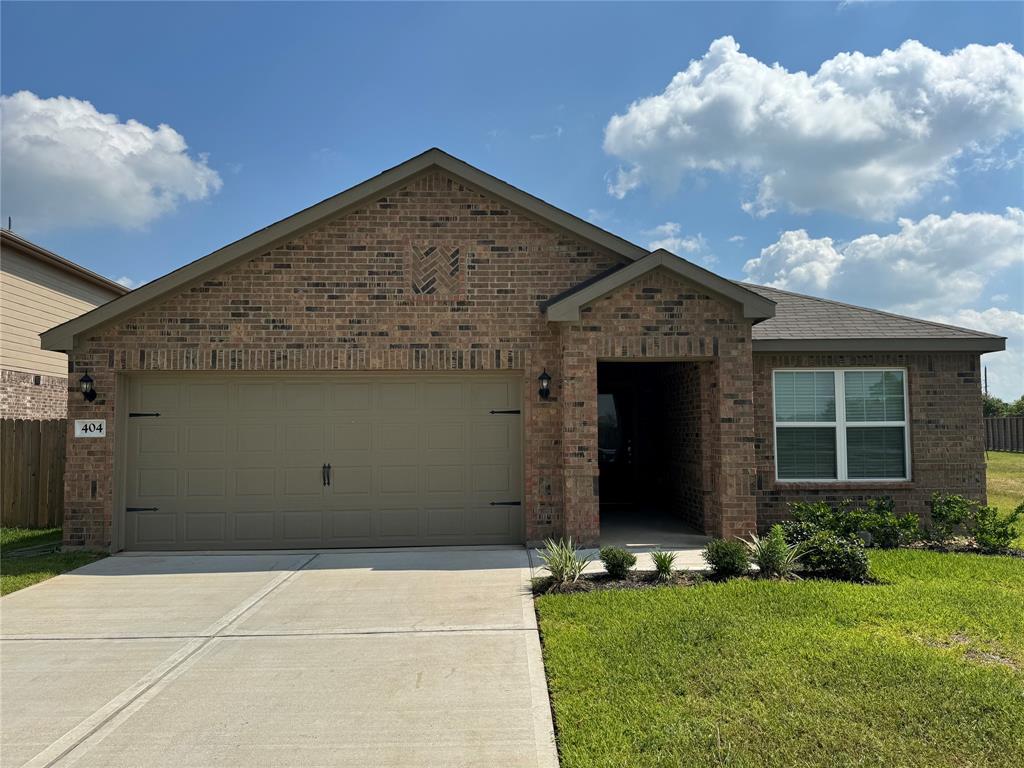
(373, 371)
(38, 289)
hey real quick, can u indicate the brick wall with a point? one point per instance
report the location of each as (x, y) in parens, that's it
(946, 432)
(32, 396)
(342, 298)
(660, 316)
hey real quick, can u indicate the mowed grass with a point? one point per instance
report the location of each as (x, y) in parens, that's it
(925, 669)
(1006, 483)
(20, 572)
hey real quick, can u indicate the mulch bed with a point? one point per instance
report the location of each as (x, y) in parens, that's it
(595, 582)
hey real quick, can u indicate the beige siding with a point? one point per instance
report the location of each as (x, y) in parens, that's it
(33, 298)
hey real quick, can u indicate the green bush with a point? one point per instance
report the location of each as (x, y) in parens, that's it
(797, 532)
(617, 561)
(837, 557)
(774, 557)
(664, 564)
(950, 515)
(563, 562)
(993, 533)
(876, 522)
(727, 558)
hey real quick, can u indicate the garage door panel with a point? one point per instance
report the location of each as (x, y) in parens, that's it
(253, 528)
(157, 439)
(356, 396)
(255, 481)
(351, 481)
(256, 438)
(154, 529)
(206, 438)
(208, 483)
(206, 397)
(236, 461)
(205, 527)
(302, 527)
(346, 526)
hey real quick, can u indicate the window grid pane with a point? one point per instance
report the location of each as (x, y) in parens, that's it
(805, 396)
(876, 452)
(874, 396)
(806, 453)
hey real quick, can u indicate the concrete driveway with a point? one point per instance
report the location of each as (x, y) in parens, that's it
(424, 657)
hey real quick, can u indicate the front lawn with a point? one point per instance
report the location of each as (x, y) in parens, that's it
(20, 572)
(924, 669)
(1005, 477)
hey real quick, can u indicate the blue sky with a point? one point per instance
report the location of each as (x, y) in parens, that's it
(283, 105)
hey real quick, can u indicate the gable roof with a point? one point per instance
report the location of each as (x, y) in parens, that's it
(62, 337)
(37, 252)
(566, 306)
(809, 324)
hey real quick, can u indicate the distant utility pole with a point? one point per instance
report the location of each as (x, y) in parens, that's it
(986, 381)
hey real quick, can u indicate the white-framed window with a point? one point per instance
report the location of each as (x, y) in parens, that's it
(841, 424)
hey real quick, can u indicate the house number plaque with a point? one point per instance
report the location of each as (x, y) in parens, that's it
(90, 427)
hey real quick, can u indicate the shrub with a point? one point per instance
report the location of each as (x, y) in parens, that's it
(992, 533)
(563, 562)
(950, 514)
(617, 561)
(774, 557)
(836, 557)
(727, 558)
(797, 532)
(664, 564)
(876, 522)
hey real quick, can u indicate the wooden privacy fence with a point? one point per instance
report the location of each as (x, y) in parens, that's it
(32, 472)
(1004, 433)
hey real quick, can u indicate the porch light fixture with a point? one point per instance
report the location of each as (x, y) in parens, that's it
(87, 391)
(545, 385)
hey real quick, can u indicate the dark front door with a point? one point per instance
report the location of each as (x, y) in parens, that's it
(615, 447)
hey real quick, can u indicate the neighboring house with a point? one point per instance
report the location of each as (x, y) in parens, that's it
(37, 290)
(366, 373)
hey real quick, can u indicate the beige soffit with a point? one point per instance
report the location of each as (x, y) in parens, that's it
(28, 248)
(62, 338)
(566, 307)
(875, 344)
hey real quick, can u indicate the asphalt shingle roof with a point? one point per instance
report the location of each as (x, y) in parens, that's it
(807, 317)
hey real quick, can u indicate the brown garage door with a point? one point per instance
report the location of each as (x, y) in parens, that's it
(245, 462)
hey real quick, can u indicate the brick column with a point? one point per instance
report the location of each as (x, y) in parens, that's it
(733, 393)
(578, 394)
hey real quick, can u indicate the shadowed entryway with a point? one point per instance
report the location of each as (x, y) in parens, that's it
(653, 422)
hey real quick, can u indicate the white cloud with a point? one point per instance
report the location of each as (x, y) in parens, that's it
(65, 164)
(128, 282)
(555, 133)
(737, 239)
(1005, 369)
(864, 135)
(670, 237)
(930, 265)
(1000, 298)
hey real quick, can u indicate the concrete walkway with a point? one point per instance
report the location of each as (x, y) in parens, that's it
(385, 658)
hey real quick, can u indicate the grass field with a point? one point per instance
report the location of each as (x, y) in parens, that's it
(1006, 482)
(925, 669)
(20, 572)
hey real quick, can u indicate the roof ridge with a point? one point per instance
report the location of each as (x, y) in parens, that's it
(980, 334)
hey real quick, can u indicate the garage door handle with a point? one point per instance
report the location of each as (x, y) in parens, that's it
(141, 509)
(506, 503)
(328, 474)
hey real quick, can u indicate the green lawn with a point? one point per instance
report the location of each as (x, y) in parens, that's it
(20, 572)
(1006, 482)
(925, 669)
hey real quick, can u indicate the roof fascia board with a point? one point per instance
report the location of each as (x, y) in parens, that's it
(978, 344)
(755, 307)
(62, 337)
(32, 250)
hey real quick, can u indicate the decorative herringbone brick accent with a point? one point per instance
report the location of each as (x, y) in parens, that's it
(435, 270)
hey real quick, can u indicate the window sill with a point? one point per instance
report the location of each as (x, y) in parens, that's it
(841, 485)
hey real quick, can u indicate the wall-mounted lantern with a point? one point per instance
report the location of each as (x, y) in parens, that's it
(87, 391)
(545, 385)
